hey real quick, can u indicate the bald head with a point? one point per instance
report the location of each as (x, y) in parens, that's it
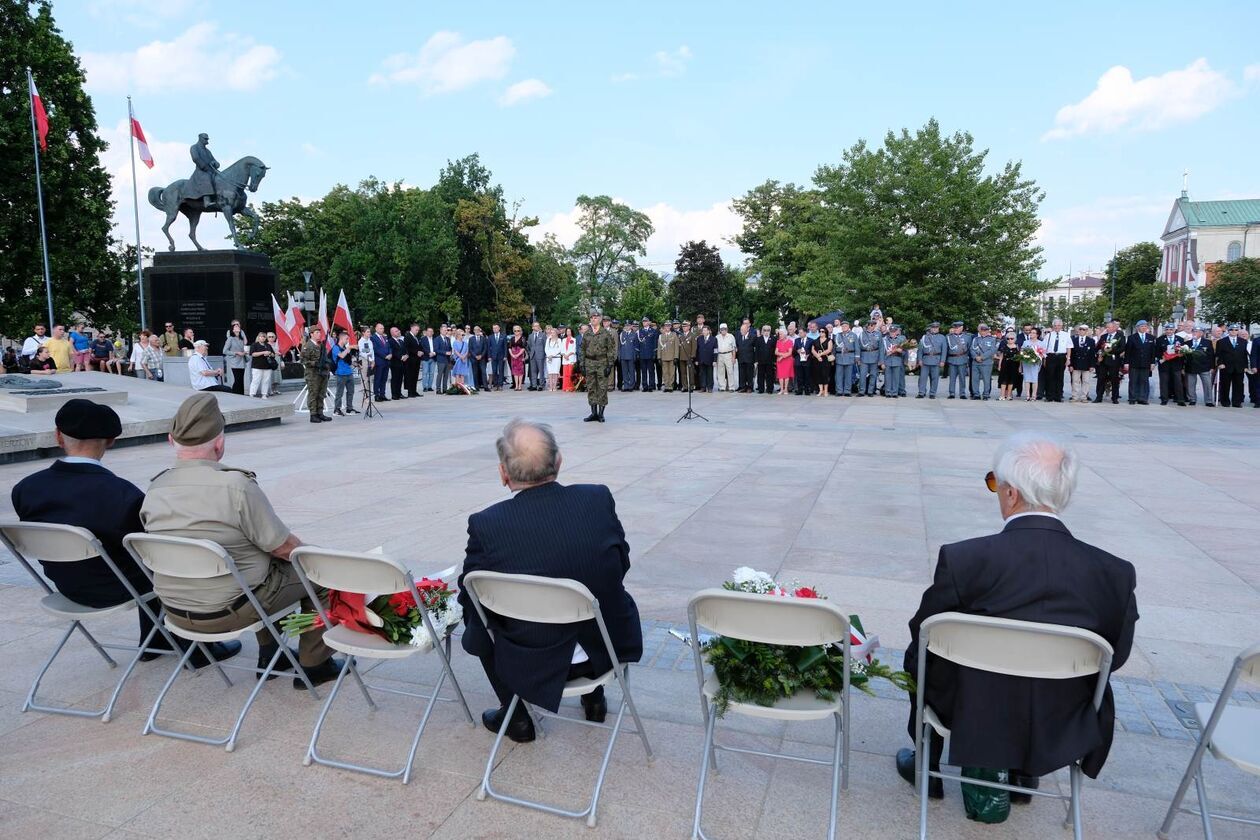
(528, 454)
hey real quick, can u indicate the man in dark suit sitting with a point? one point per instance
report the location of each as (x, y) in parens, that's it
(558, 531)
(78, 490)
(1033, 570)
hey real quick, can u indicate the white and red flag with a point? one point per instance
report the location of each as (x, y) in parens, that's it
(297, 331)
(146, 157)
(323, 311)
(41, 116)
(341, 317)
(284, 326)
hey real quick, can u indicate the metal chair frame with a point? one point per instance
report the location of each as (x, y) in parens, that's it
(351, 666)
(619, 672)
(268, 620)
(1248, 661)
(839, 762)
(11, 535)
(926, 720)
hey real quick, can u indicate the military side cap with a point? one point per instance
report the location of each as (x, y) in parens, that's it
(958, 324)
(197, 421)
(936, 324)
(85, 420)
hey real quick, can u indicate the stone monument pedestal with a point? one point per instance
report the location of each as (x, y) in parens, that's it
(205, 290)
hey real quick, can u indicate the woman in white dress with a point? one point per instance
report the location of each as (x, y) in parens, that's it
(554, 351)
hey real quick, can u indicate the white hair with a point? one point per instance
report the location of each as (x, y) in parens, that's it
(1041, 468)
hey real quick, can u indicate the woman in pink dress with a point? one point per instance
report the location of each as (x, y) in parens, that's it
(783, 365)
(516, 358)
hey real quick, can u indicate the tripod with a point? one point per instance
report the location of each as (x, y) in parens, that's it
(690, 413)
(369, 397)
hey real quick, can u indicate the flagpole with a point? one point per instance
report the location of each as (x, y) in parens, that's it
(135, 205)
(39, 191)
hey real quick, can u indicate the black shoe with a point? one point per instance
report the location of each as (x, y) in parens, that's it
(592, 417)
(1183, 405)
(325, 418)
(950, 397)
(1163, 402)
(337, 412)
(283, 665)
(594, 705)
(920, 396)
(520, 730)
(352, 411)
(931, 396)
(1115, 402)
(1143, 402)
(219, 651)
(600, 411)
(1021, 780)
(962, 396)
(320, 674)
(382, 399)
(1096, 400)
(1208, 405)
(315, 418)
(905, 769)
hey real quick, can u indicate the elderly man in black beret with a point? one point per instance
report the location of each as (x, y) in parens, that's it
(78, 490)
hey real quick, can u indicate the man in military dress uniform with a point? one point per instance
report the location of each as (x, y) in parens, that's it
(687, 358)
(931, 360)
(599, 354)
(1171, 366)
(203, 184)
(957, 357)
(870, 354)
(983, 348)
(315, 365)
(648, 340)
(667, 352)
(627, 355)
(1111, 346)
(894, 362)
(846, 357)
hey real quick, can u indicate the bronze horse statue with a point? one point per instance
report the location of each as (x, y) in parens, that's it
(230, 199)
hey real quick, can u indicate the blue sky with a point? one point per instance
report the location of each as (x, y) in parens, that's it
(677, 107)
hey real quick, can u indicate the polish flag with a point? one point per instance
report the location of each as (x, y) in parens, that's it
(284, 326)
(142, 144)
(41, 116)
(296, 331)
(323, 312)
(341, 317)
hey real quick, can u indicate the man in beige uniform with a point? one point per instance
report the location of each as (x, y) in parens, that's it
(201, 498)
(667, 350)
(686, 358)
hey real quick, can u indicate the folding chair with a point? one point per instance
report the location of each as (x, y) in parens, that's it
(797, 622)
(1232, 733)
(1019, 649)
(552, 601)
(369, 574)
(35, 541)
(200, 559)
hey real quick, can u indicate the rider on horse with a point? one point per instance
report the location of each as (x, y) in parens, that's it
(202, 183)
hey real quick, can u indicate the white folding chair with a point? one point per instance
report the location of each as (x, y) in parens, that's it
(198, 560)
(36, 541)
(1232, 733)
(369, 574)
(1019, 649)
(552, 601)
(795, 622)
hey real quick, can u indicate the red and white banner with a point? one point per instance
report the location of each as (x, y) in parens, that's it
(298, 330)
(341, 317)
(41, 116)
(143, 146)
(284, 326)
(323, 312)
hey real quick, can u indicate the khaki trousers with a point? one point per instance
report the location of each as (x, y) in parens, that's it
(280, 588)
(686, 374)
(667, 374)
(1079, 391)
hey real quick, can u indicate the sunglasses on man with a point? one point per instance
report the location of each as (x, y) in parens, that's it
(990, 481)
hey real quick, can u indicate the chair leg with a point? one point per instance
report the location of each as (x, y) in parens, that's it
(494, 750)
(603, 767)
(424, 721)
(253, 694)
(459, 692)
(705, 759)
(353, 668)
(1204, 811)
(99, 649)
(1193, 769)
(311, 754)
(149, 725)
(838, 759)
(844, 772)
(131, 666)
(1074, 775)
(624, 678)
(924, 760)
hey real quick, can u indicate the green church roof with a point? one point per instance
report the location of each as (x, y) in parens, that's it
(1220, 213)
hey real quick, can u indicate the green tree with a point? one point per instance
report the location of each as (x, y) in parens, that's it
(643, 297)
(1136, 265)
(552, 285)
(613, 234)
(77, 203)
(776, 220)
(701, 280)
(1151, 302)
(1233, 296)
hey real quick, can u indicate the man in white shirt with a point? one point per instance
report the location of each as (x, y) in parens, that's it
(200, 375)
(725, 359)
(1058, 342)
(32, 344)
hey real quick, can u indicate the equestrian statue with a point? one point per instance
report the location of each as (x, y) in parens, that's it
(210, 190)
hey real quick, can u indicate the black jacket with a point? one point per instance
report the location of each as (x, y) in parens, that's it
(1232, 356)
(1083, 353)
(87, 496)
(763, 349)
(1203, 357)
(744, 346)
(1033, 570)
(557, 531)
(413, 346)
(1139, 352)
(1165, 344)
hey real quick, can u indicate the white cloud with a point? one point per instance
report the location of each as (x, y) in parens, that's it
(201, 57)
(524, 91)
(144, 14)
(672, 63)
(1119, 101)
(447, 63)
(1251, 73)
(673, 226)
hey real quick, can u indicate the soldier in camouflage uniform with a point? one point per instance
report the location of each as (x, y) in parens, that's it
(599, 354)
(315, 363)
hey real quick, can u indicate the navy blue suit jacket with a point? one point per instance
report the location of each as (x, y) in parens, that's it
(381, 346)
(497, 345)
(1033, 570)
(87, 496)
(555, 531)
(476, 347)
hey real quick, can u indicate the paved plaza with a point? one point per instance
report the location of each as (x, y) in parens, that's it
(852, 496)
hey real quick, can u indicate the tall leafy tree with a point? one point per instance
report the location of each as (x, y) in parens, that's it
(1234, 294)
(701, 280)
(613, 235)
(643, 297)
(1136, 265)
(86, 278)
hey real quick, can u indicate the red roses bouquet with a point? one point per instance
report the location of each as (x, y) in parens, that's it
(395, 617)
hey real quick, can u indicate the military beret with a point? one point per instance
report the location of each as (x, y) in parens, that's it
(958, 324)
(197, 421)
(936, 324)
(85, 420)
